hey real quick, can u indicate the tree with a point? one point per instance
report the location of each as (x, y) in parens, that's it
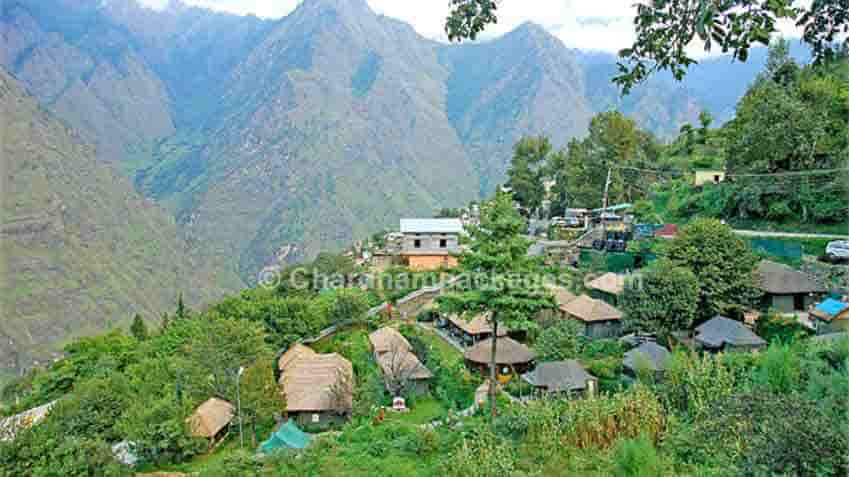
(181, 309)
(498, 271)
(562, 340)
(722, 262)
(525, 174)
(705, 120)
(139, 329)
(260, 393)
(665, 30)
(661, 300)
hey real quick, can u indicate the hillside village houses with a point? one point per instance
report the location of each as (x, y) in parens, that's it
(401, 368)
(786, 290)
(600, 319)
(211, 420)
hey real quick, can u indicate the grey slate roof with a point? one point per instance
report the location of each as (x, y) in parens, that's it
(653, 353)
(780, 279)
(720, 331)
(431, 226)
(557, 376)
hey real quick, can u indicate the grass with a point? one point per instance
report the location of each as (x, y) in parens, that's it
(422, 411)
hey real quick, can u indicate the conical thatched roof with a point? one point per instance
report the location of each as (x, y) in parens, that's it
(508, 351)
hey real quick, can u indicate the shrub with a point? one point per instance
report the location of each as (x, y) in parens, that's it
(636, 458)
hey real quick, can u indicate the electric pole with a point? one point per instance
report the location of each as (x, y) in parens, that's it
(604, 208)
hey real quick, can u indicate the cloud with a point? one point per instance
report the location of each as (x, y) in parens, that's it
(604, 25)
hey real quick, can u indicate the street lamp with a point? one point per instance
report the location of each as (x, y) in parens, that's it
(239, 405)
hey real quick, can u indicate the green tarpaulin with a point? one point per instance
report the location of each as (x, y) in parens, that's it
(287, 437)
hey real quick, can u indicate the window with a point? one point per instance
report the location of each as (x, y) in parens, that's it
(716, 178)
(417, 243)
(316, 418)
(443, 243)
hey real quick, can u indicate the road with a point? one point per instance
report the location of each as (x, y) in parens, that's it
(758, 233)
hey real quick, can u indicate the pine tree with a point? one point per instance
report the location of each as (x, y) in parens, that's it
(497, 269)
(139, 329)
(181, 308)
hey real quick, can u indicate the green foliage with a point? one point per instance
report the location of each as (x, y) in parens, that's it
(637, 458)
(526, 171)
(563, 340)
(722, 262)
(692, 382)
(139, 329)
(663, 299)
(155, 426)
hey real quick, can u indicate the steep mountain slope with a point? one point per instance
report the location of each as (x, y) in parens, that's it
(333, 127)
(86, 69)
(524, 82)
(81, 251)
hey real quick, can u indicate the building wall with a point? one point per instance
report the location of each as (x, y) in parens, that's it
(430, 242)
(603, 329)
(708, 177)
(786, 303)
(325, 419)
(422, 263)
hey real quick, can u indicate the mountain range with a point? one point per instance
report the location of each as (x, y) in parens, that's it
(243, 136)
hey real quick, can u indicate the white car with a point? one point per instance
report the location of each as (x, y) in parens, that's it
(838, 249)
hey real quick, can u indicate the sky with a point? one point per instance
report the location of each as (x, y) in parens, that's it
(605, 25)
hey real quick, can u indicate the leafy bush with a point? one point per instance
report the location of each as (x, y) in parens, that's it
(637, 458)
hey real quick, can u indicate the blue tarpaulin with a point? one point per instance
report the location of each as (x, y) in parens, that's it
(832, 307)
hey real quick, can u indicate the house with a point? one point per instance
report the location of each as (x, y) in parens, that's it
(667, 231)
(785, 289)
(647, 357)
(608, 287)
(318, 388)
(211, 420)
(831, 316)
(430, 244)
(724, 334)
(12, 425)
(600, 319)
(475, 330)
(830, 337)
(562, 296)
(703, 177)
(511, 357)
(403, 372)
(562, 377)
(386, 340)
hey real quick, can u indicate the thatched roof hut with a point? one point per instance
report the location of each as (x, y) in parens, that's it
(403, 364)
(610, 283)
(721, 332)
(387, 340)
(589, 309)
(479, 325)
(560, 376)
(508, 351)
(210, 418)
(318, 382)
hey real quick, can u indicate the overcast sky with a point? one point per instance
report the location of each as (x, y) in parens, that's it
(585, 24)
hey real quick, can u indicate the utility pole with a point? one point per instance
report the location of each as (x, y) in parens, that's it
(239, 406)
(604, 208)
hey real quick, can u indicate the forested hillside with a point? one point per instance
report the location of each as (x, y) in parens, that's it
(81, 250)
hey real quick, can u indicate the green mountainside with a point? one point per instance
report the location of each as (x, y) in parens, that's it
(81, 250)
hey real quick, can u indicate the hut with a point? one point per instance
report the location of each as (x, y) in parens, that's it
(562, 377)
(404, 373)
(647, 357)
(831, 316)
(608, 287)
(211, 420)
(475, 330)
(386, 340)
(318, 388)
(511, 357)
(562, 296)
(600, 319)
(724, 334)
(785, 289)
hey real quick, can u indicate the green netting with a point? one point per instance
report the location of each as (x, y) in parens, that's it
(777, 248)
(287, 437)
(615, 262)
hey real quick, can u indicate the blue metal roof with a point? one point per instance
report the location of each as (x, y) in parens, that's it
(832, 306)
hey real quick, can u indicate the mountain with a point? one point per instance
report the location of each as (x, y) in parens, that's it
(81, 250)
(317, 128)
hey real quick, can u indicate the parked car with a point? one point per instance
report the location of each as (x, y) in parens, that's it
(838, 250)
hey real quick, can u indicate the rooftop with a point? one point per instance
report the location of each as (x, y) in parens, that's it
(589, 309)
(556, 376)
(508, 351)
(779, 279)
(431, 226)
(720, 331)
(655, 355)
